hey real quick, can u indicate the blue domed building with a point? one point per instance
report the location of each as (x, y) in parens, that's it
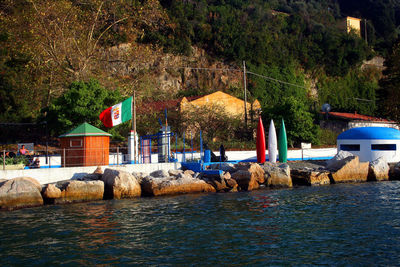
(370, 143)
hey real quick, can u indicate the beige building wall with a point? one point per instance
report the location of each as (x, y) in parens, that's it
(231, 104)
(353, 24)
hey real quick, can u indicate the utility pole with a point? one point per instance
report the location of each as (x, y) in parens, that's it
(134, 126)
(245, 93)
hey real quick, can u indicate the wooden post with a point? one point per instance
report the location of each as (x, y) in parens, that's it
(245, 93)
(64, 157)
(117, 155)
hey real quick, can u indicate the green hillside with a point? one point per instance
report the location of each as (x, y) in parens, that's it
(297, 53)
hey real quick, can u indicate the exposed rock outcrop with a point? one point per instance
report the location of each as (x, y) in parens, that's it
(178, 183)
(277, 175)
(378, 170)
(19, 193)
(120, 184)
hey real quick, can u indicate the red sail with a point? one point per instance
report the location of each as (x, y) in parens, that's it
(260, 143)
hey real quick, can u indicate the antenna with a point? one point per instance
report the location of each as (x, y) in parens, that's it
(326, 107)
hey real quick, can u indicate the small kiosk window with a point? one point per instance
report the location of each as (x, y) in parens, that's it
(75, 143)
(349, 147)
(388, 147)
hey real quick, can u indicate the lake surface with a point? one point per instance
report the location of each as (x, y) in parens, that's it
(345, 224)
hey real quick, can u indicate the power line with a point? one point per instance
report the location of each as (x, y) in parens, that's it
(361, 99)
(276, 80)
(213, 69)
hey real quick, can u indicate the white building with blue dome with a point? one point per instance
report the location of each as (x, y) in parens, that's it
(370, 143)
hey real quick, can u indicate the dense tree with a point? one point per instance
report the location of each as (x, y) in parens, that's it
(82, 102)
(299, 122)
(390, 86)
(45, 45)
(356, 92)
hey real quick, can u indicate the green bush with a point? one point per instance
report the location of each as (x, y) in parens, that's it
(327, 137)
(16, 160)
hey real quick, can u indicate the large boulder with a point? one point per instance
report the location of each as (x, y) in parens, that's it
(309, 177)
(378, 170)
(139, 176)
(224, 166)
(51, 191)
(348, 169)
(75, 191)
(180, 183)
(20, 192)
(221, 183)
(277, 175)
(120, 184)
(159, 174)
(249, 176)
(337, 161)
(394, 172)
(245, 181)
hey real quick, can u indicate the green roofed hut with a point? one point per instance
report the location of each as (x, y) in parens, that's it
(85, 145)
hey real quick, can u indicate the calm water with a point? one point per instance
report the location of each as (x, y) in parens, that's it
(354, 224)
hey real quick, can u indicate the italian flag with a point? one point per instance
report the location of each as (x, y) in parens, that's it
(117, 114)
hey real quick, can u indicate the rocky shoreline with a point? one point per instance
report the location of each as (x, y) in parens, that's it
(22, 192)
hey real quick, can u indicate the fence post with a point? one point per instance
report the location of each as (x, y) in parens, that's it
(191, 143)
(201, 146)
(64, 157)
(176, 146)
(117, 155)
(4, 159)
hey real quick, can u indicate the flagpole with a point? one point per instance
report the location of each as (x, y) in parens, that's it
(166, 137)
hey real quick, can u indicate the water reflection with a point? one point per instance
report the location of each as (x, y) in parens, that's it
(97, 225)
(332, 225)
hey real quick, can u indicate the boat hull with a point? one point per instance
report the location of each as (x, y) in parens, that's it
(282, 145)
(260, 142)
(272, 143)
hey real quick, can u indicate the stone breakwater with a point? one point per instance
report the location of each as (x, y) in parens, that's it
(24, 192)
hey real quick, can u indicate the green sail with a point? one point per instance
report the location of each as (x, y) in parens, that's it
(282, 143)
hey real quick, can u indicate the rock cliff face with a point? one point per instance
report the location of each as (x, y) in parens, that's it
(167, 73)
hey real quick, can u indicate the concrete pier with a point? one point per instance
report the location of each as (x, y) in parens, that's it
(52, 175)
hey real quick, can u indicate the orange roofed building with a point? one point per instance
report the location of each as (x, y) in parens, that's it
(232, 105)
(342, 121)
